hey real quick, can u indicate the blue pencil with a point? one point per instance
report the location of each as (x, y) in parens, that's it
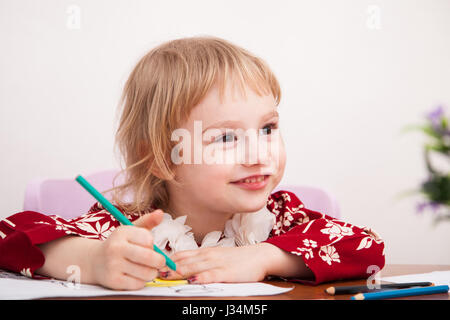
(117, 214)
(401, 293)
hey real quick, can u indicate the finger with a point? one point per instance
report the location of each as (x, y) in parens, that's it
(197, 256)
(138, 236)
(209, 276)
(164, 269)
(180, 255)
(139, 271)
(171, 275)
(150, 220)
(144, 256)
(128, 282)
(132, 283)
(207, 253)
(189, 269)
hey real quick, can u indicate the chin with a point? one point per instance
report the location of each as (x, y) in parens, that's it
(252, 205)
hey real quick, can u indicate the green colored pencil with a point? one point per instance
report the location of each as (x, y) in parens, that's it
(117, 214)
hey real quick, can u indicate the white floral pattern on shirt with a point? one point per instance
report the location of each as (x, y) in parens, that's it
(26, 272)
(329, 254)
(307, 250)
(335, 230)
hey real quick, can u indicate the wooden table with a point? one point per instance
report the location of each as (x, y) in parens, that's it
(306, 292)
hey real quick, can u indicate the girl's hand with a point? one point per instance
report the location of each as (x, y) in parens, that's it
(126, 260)
(220, 264)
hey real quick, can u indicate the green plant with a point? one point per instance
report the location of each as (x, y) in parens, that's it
(435, 189)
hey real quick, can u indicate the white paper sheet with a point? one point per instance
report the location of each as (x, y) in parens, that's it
(437, 277)
(13, 286)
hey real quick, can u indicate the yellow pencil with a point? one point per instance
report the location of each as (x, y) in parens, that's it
(165, 283)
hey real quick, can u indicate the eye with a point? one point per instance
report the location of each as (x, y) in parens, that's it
(268, 128)
(229, 137)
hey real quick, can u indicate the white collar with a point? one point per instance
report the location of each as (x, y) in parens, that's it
(241, 230)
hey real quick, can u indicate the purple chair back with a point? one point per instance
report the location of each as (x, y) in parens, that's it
(314, 199)
(65, 197)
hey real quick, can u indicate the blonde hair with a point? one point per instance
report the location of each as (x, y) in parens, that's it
(163, 88)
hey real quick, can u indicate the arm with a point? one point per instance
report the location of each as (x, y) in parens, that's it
(70, 250)
(304, 246)
(331, 248)
(32, 243)
(124, 261)
(283, 264)
(236, 264)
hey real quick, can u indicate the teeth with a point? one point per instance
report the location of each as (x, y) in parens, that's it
(253, 180)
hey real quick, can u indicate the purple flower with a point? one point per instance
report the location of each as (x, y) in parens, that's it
(435, 117)
(420, 207)
(431, 204)
(436, 114)
(434, 206)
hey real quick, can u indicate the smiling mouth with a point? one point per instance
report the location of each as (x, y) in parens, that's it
(253, 179)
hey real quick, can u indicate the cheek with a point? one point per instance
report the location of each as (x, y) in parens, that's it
(211, 183)
(278, 154)
(215, 174)
(279, 162)
(205, 176)
(282, 158)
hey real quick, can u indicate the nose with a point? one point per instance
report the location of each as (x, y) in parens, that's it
(256, 150)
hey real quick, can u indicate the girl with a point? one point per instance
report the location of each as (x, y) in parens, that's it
(206, 196)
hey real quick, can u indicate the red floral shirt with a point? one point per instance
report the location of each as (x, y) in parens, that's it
(331, 248)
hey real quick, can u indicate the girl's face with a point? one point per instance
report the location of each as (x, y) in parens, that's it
(229, 141)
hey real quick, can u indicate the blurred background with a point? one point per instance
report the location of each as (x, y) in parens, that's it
(353, 73)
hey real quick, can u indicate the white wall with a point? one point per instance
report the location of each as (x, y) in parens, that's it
(348, 89)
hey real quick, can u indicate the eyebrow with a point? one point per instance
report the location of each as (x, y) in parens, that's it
(233, 123)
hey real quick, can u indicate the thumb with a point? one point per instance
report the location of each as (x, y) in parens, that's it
(150, 220)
